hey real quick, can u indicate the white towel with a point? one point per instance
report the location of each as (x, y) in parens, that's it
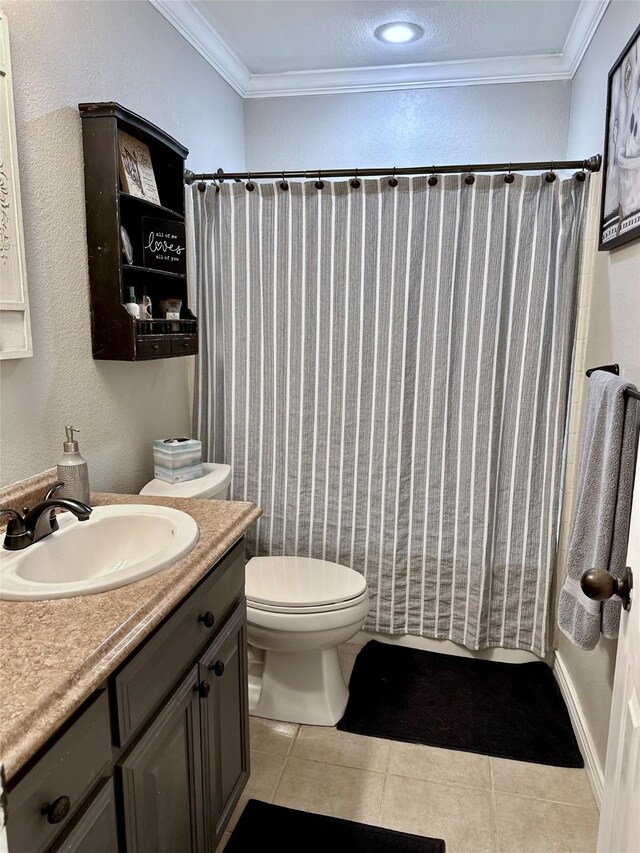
(603, 508)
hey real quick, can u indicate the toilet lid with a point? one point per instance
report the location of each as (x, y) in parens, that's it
(300, 582)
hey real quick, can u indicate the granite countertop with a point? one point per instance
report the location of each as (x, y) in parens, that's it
(54, 654)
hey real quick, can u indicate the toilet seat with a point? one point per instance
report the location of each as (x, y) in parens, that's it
(302, 585)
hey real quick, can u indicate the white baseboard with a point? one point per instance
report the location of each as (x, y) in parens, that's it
(594, 768)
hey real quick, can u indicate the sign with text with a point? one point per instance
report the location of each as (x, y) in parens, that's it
(164, 245)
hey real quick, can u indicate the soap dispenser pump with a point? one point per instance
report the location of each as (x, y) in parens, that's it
(73, 470)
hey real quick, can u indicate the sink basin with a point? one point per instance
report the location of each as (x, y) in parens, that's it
(119, 544)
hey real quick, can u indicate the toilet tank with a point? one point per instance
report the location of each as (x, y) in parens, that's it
(214, 484)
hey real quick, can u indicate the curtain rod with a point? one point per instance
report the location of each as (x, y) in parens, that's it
(591, 164)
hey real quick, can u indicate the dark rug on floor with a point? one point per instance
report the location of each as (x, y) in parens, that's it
(502, 709)
(267, 829)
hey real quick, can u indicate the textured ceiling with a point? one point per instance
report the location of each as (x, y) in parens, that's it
(271, 36)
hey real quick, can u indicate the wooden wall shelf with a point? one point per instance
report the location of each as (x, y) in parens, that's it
(116, 335)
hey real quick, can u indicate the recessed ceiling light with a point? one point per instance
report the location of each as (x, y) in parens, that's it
(399, 32)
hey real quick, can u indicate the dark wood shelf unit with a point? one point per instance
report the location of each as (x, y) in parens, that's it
(116, 335)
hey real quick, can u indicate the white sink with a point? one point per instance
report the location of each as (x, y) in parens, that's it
(119, 544)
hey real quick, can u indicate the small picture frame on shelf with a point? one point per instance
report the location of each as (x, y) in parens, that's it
(164, 245)
(136, 169)
(620, 207)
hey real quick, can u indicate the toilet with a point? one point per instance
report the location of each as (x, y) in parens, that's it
(299, 610)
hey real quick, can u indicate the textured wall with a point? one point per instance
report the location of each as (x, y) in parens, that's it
(64, 53)
(613, 329)
(526, 121)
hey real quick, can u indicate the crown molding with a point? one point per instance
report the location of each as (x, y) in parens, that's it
(188, 21)
(423, 75)
(582, 30)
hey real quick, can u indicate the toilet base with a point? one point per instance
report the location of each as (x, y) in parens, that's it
(297, 687)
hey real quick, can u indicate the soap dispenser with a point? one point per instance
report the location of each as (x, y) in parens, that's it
(73, 470)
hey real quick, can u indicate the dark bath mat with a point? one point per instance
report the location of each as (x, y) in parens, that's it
(274, 829)
(502, 709)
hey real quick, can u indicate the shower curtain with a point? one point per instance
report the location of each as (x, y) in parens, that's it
(386, 371)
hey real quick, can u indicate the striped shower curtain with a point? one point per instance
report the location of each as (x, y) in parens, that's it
(386, 370)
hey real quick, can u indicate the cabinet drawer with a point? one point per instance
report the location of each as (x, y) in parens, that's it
(69, 768)
(153, 347)
(147, 678)
(186, 345)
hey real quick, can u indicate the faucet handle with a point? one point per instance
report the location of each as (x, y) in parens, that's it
(16, 536)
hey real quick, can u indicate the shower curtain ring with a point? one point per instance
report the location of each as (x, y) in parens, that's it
(581, 175)
(355, 183)
(551, 175)
(393, 181)
(283, 184)
(202, 186)
(432, 179)
(319, 182)
(469, 179)
(250, 186)
(508, 178)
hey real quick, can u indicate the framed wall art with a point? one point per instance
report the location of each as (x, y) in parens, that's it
(15, 325)
(136, 169)
(620, 208)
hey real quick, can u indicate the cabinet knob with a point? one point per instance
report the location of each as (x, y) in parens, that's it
(202, 689)
(217, 668)
(57, 810)
(207, 619)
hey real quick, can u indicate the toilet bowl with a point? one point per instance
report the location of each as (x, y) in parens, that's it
(299, 610)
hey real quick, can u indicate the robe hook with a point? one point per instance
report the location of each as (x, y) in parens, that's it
(433, 179)
(319, 182)
(393, 181)
(355, 183)
(283, 184)
(508, 178)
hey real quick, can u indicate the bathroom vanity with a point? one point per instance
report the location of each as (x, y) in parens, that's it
(156, 756)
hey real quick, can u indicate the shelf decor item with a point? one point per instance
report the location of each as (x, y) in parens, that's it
(136, 168)
(164, 245)
(127, 248)
(620, 210)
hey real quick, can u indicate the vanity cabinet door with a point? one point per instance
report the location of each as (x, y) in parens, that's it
(94, 831)
(162, 779)
(225, 724)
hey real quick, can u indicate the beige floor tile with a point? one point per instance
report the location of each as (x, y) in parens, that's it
(440, 765)
(562, 784)
(350, 648)
(462, 816)
(223, 842)
(346, 663)
(272, 735)
(531, 826)
(265, 772)
(344, 792)
(324, 743)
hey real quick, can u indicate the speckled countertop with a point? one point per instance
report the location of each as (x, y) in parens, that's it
(54, 654)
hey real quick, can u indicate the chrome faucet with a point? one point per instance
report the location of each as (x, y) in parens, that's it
(41, 521)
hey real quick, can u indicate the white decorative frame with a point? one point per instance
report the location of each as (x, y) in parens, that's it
(15, 324)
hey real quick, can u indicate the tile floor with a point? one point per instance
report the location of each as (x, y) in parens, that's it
(476, 803)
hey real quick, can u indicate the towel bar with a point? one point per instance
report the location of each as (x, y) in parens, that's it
(615, 368)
